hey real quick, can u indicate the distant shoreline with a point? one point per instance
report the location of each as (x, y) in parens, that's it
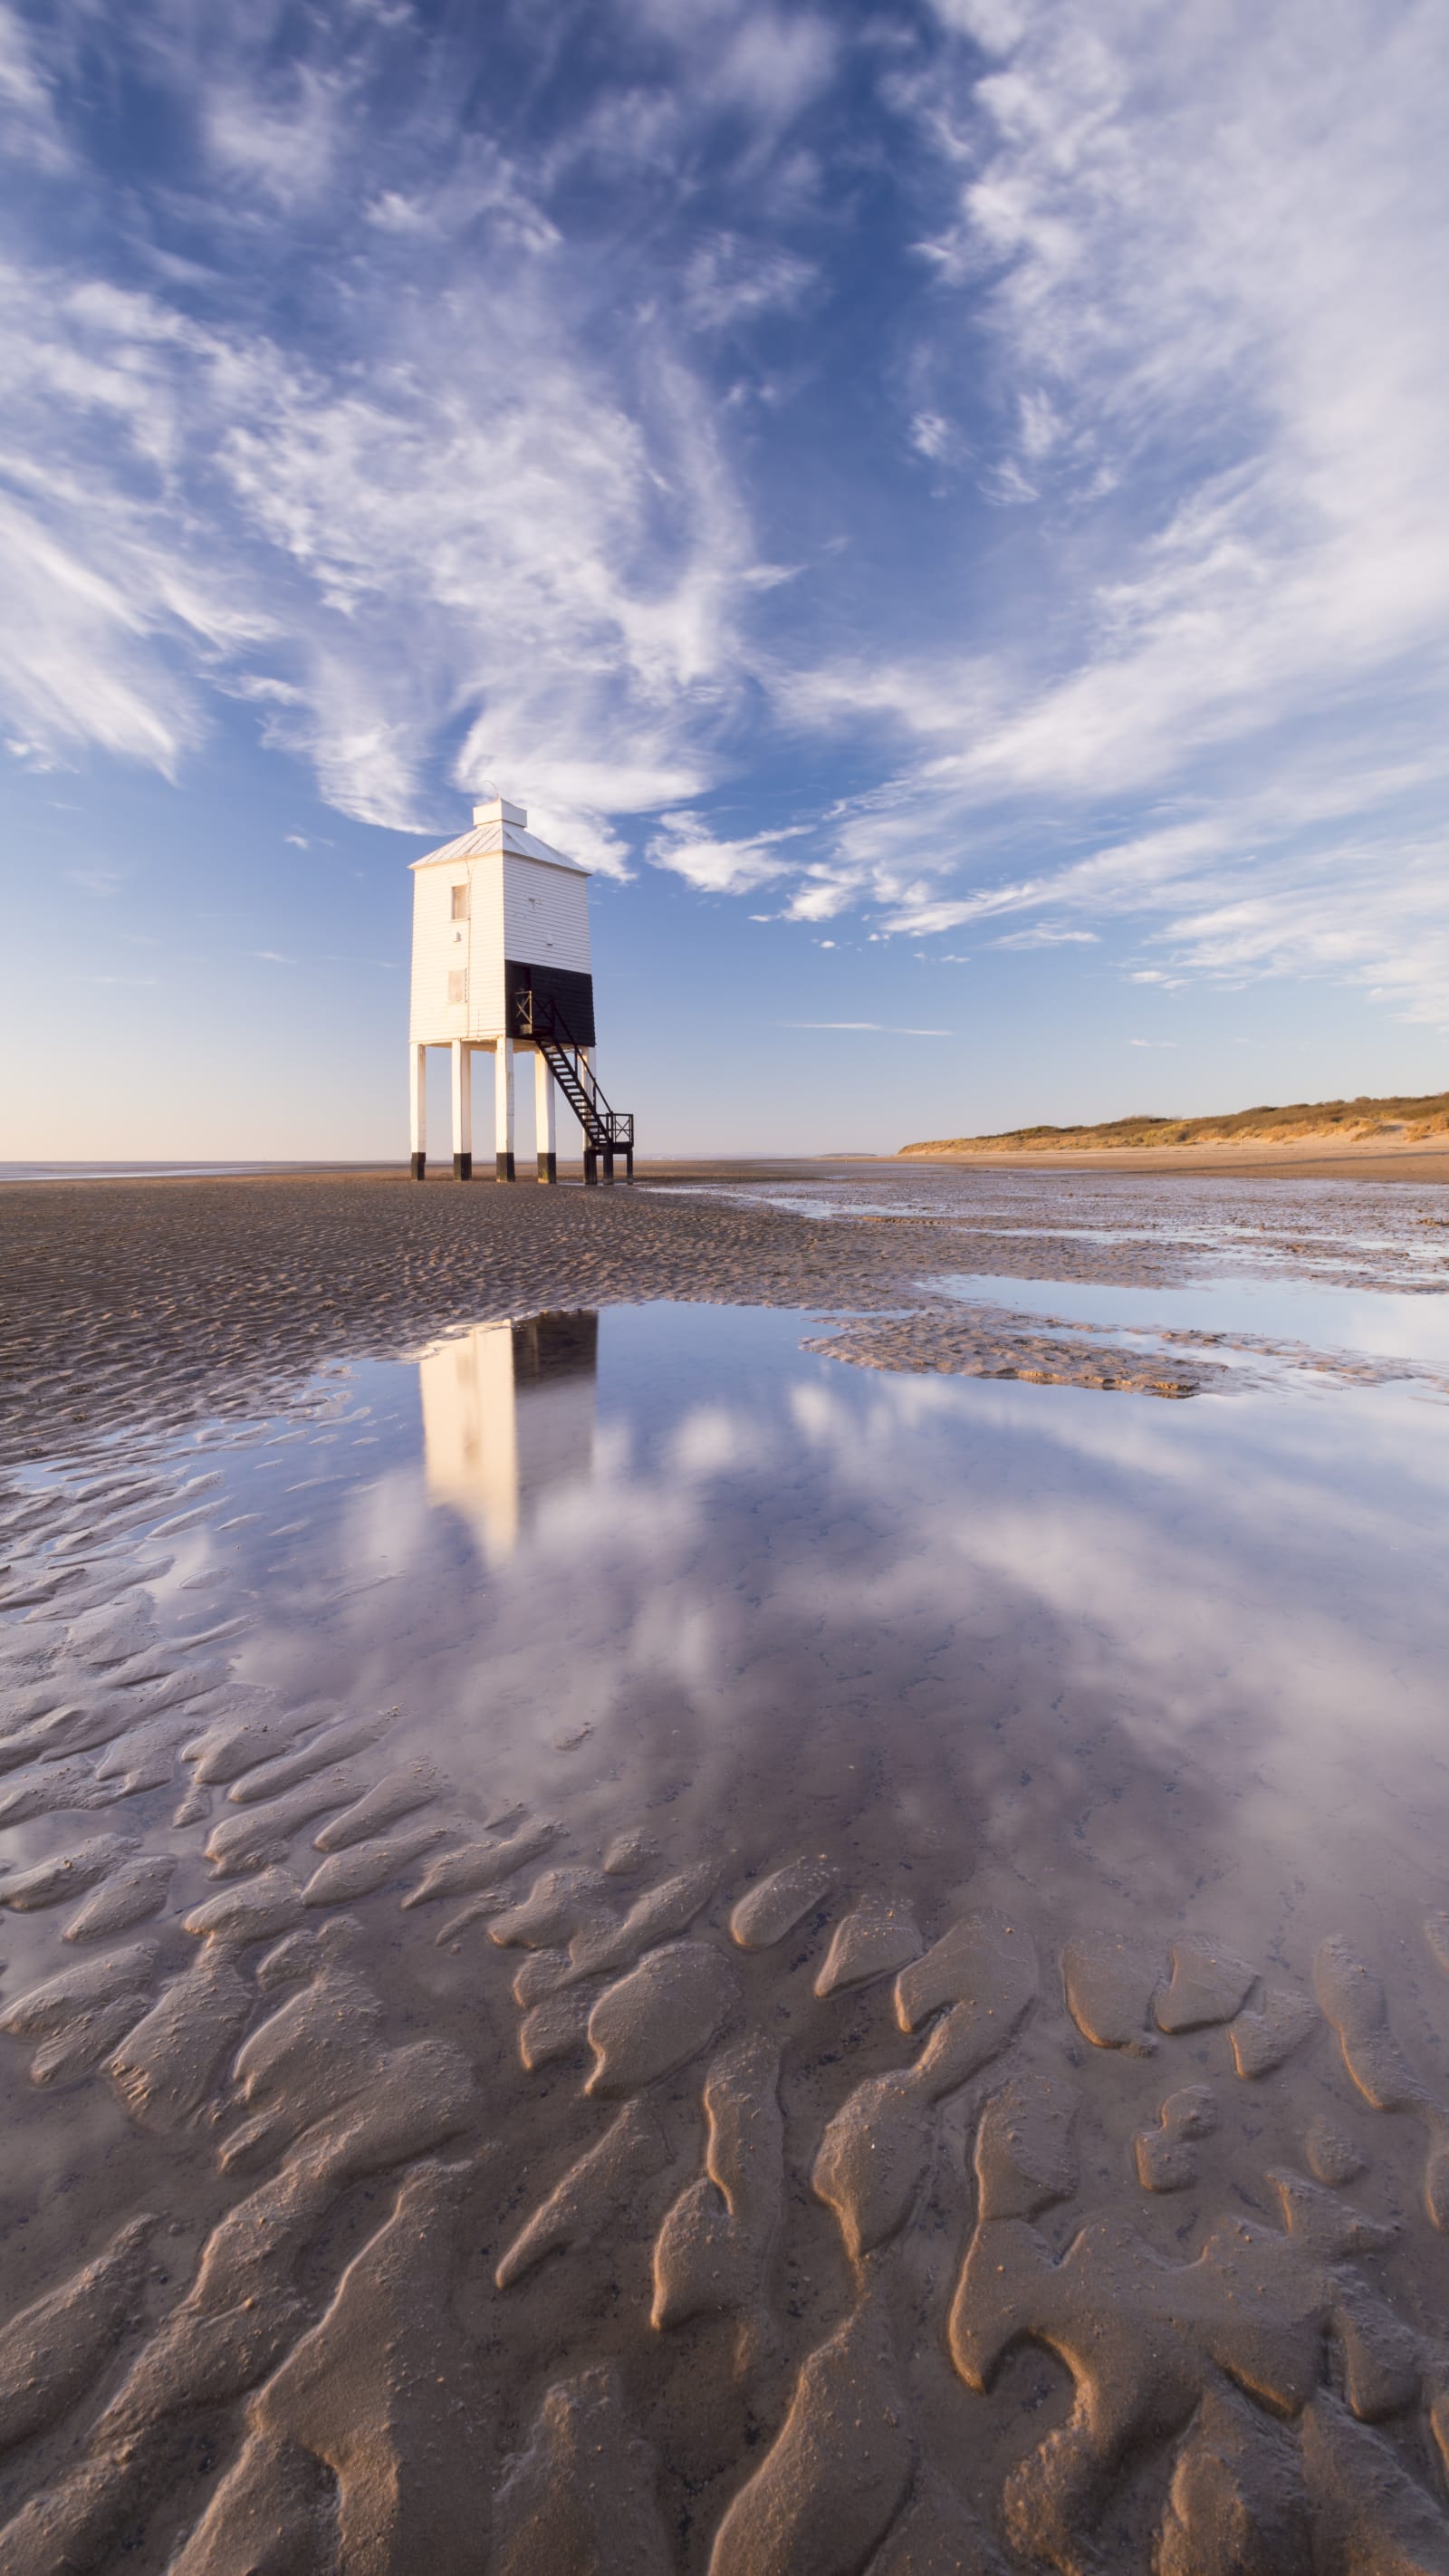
(1307, 1158)
(1302, 1158)
(139, 1169)
(1379, 1137)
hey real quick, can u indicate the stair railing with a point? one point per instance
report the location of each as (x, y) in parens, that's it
(541, 1020)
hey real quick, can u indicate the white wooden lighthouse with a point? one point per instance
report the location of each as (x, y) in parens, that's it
(501, 962)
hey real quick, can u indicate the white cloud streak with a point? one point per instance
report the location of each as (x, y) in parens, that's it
(687, 849)
(1202, 250)
(449, 516)
(354, 420)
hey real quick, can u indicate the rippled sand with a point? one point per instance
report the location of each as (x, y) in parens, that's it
(629, 1948)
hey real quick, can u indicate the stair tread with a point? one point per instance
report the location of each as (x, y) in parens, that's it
(604, 1128)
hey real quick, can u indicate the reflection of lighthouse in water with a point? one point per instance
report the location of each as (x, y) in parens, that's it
(508, 1413)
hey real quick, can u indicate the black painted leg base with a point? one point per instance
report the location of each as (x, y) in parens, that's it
(628, 1162)
(503, 1167)
(548, 1167)
(419, 1167)
(462, 1167)
(608, 1163)
(591, 1166)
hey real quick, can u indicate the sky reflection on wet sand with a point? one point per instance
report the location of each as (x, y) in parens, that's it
(508, 1676)
(1243, 1599)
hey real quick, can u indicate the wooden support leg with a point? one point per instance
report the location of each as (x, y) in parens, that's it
(545, 1116)
(503, 1111)
(462, 1111)
(418, 1110)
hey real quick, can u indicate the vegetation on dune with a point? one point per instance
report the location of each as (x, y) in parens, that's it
(1348, 1121)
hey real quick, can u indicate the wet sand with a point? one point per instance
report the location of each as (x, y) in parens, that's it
(157, 1300)
(878, 2089)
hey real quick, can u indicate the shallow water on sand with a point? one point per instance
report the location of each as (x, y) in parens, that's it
(837, 1969)
(1210, 1225)
(1318, 1324)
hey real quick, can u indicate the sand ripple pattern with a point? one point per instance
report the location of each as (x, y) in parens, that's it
(106, 1284)
(523, 2198)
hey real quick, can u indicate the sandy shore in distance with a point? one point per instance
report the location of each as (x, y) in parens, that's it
(1309, 1158)
(737, 2035)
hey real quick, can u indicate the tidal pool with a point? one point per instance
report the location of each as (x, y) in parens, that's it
(730, 1570)
(724, 1960)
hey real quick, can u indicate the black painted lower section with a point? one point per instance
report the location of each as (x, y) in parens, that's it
(554, 1345)
(503, 1167)
(628, 1162)
(558, 988)
(462, 1167)
(548, 1167)
(608, 1162)
(419, 1169)
(591, 1165)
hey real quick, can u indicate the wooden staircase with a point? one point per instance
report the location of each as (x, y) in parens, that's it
(606, 1131)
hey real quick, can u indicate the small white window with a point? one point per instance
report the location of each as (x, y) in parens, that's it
(460, 903)
(458, 985)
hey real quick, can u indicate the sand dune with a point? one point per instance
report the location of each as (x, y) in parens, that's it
(1392, 1133)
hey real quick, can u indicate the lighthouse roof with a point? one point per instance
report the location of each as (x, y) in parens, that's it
(500, 830)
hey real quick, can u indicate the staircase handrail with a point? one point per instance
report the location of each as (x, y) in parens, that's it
(529, 1011)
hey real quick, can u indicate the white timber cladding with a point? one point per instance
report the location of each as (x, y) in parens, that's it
(496, 892)
(457, 964)
(545, 915)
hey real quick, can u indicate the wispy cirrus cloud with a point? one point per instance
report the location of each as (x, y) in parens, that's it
(470, 508)
(33, 133)
(1047, 934)
(361, 560)
(686, 847)
(730, 279)
(1196, 256)
(1027, 415)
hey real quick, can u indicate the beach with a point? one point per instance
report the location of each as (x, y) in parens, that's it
(742, 1874)
(1320, 1157)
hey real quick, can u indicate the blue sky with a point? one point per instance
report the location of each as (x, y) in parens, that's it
(943, 506)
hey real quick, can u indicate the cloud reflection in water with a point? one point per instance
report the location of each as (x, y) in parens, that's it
(1122, 1656)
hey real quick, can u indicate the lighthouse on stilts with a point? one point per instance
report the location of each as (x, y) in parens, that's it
(501, 961)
